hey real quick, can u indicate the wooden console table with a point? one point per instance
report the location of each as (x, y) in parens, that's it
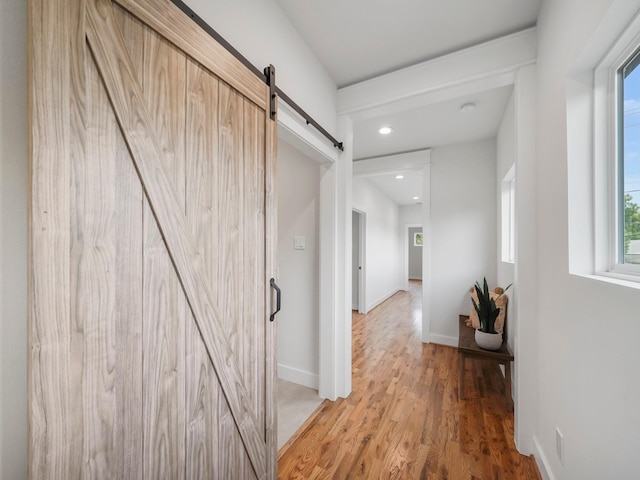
(468, 347)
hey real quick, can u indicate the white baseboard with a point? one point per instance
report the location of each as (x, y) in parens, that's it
(298, 376)
(443, 340)
(373, 305)
(415, 278)
(541, 461)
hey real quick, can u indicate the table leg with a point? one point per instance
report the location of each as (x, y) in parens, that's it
(507, 383)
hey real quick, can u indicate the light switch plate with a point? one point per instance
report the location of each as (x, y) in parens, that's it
(299, 243)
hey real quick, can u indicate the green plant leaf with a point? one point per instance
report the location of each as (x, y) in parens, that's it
(485, 307)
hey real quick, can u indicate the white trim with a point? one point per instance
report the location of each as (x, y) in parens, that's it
(362, 261)
(443, 340)
(524, 335)
(507, 216)
(334, 378)
(541, 461)
(409, 161)
(426, 250)
(300, 377)
(630, 281)
(490, 64)
(385, 297)
(335, 270)
(294, 130)
(328, 274)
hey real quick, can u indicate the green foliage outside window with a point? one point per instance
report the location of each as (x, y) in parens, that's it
(631, 221)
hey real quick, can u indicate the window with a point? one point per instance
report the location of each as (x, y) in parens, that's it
(508, 216)
(603, 150)
(617, 157)
(628, 155)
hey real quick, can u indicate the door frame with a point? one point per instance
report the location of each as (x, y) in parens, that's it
(362, 261)
(334, 246)
(405, 269)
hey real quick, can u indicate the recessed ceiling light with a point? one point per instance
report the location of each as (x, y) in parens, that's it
(385, 130)
(416, 198)
(467, 107)
(399, 177)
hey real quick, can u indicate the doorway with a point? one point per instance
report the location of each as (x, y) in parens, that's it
(358, 261)
(413, 254)
(414, 247)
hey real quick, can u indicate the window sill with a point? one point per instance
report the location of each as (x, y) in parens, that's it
(615, 278)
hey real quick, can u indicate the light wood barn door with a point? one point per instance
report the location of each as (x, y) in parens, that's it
(152, 231)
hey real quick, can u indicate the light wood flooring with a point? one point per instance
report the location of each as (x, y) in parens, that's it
(403, 418)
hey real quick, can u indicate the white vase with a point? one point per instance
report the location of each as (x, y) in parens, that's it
(489, 341)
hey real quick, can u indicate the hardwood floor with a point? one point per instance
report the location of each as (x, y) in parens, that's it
(403, 418)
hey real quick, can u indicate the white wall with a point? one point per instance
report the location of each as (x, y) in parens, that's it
(298, 270)
(463, 231)
(384, 258)
(410, 215)
(588, 329)
(261, 32)
(13, 240)
(506, 154)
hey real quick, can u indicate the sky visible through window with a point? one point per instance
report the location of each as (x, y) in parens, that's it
(631, 162)
(632, 135)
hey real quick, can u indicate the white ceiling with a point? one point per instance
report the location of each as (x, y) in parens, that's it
(357, 40)
(432, 125)
(360, 39)
(400, 191)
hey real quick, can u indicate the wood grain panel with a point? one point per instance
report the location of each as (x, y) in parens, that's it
(204, 441)
(254, 315)
(171, 23)
(138, 128)
(149, 265)
(129, 306)
(56, 343)
(230, 294)
(106, 292)
(163, 74)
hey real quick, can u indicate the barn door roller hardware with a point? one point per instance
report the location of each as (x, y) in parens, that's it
(270, 73)
(268, 76)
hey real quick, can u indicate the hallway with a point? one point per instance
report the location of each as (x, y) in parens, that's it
(403, 418)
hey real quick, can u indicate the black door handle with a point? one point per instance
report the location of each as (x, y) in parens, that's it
(278, 296)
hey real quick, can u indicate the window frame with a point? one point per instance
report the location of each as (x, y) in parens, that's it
(609, 156)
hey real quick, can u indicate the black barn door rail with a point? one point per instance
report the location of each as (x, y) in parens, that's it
(268, 76)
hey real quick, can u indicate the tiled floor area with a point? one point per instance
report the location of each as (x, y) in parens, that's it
(295, 404)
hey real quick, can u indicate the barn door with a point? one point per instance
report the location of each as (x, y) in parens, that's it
(151, 249)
